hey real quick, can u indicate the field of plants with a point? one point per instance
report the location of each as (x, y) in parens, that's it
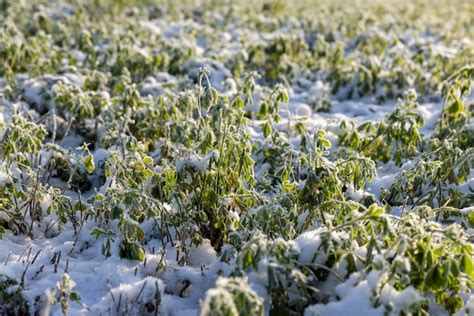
(236, 157)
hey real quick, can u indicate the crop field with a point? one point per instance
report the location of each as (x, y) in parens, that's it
(225, 158)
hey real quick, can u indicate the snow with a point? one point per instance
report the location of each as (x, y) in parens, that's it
(204, 254)
(124, 299)
(111, 277)
(3, 177)
(152, 87)
(34, 90)
(468, 309)
(100, 156)
(162, 281)
(200, 163)
(355, 300)
(355, 295)
(377, 184)
(308, 245)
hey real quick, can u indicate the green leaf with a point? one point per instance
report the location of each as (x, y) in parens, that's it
(284, 95)
(325, 143)
(287, 185)
(466, 265)
(456, 107)
(267, 129)
(263, 110)
(96, 232)
(74, 296)
(132, 251)
(351, 264)
(375, 211)
(429, 258)
(148, 160)
(454, 268)
(89, 163)
(435, 278)
(116, 212)
(370, 250)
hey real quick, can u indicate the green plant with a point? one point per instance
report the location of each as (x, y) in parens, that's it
(64, 293)
(395, 138)
(12, 301)
(231, 296)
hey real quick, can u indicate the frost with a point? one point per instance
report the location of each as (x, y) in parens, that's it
(251, 198)
(199, 164)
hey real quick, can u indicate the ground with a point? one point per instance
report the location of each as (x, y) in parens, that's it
(244, 158)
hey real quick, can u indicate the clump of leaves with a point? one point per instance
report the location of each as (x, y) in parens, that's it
(128, 200)
(457, 113)
(397, 137)
(231, 296)
(12, 301)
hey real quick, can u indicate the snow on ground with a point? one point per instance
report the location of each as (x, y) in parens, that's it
(102, 281)
(110, 285)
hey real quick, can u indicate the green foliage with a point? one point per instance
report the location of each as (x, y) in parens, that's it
(232, 296)
(12, 301)
(189, 135)
(457, 113)
(63, 293)
(397, 137)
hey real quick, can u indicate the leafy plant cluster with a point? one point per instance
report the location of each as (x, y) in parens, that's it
(114, 134)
